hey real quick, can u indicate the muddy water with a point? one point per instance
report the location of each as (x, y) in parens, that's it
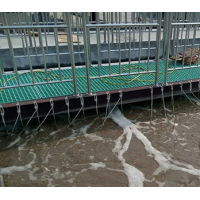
(128, 150)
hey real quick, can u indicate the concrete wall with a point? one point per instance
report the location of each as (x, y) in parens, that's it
(37, 61)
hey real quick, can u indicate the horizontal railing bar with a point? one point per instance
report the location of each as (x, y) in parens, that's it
(119, 25)
(189, 23)
(80, 32)
(135, 49)
(179, 68)
(50, 54)
(33, 27)
(43, 34)
(38, 55)
(125, 74)
(78, 52)
(187, 45)
(37, 23)
(40, 83)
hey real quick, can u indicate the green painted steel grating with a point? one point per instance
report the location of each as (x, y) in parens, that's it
(25, 93)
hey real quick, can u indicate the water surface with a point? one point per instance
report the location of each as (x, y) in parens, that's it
(129, 150)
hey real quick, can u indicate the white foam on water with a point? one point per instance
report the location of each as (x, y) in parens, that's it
(73, 135)
(172, 123)
(167, 141)
(168, 110)
(153, 123)
(84, 129)
(91, 157)
(95, 166)
(184, 114)
(174, 132)
(119, 118)
(13, 143)
(195, 100)
(144, 123)
(160, 184)
(143, 127)
(31, 174)
(10, 170)
(153, 128)
(183, 144)
(68, 173)
(164, 160)
(50, 182)
(70, 180)
(135, 177)
(54, 132)
(93, 137)
(182, 139)
(57, 174)
(47, 157)
(21, 147)
(46, 169)
(185, 126)
(81, 131)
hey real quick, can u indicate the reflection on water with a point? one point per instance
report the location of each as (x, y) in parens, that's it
(129, 150)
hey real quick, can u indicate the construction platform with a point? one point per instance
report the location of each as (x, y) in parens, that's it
(43, 91)
(134, 87)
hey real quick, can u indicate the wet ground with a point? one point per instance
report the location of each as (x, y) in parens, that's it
(129, 150)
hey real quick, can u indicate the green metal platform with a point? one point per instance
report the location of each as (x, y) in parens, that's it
(26, 93)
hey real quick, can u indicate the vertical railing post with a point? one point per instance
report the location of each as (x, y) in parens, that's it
(2, 17)
(86, 50)
(7, 31)
(98, 43)
(42, 46)
(165, 33)
(158, 46)
(104, 30)
(169, 19)
(29, 57)
(71, 50)
(29, 32)
(39, 30)
(1, 73)
(57, 45)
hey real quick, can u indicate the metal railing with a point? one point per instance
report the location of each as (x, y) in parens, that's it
(101, 38)
(183, 36)
(30, 55)
(130, 28)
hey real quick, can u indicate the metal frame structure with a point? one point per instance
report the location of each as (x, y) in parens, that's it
(114, 36)
(30, 51)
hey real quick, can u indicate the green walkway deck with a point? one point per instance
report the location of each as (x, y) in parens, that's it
(66, 88)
